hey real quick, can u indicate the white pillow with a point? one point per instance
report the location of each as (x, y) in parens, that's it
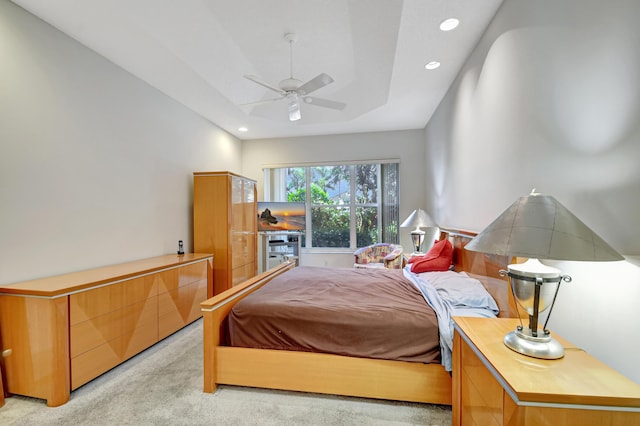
(460, 290)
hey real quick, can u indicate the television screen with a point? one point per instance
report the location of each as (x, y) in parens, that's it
(280, 216)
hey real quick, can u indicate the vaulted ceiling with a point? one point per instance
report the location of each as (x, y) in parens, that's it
(197, 52)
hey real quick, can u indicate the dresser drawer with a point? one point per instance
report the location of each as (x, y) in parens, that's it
(179, 300)
(99, 301)
(117, 324)
(134, 328)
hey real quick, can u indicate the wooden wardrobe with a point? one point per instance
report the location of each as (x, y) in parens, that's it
(225, 223)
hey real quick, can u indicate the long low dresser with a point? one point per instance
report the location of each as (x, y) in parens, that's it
(58, 333)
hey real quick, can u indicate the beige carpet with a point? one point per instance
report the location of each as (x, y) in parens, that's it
(163, 386)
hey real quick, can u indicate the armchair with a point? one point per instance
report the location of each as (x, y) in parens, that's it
(381, 255)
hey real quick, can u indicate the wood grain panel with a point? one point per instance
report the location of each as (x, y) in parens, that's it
(191, 273)
(212, 223)
(62, 285)
(91, 364)
(243, 249)
(243, 273)
(225, 224)
(547, 416)
(60, 332)
(180, 306)
(482, 399)
(35, 332)
(486, 268)
(119, 324)
(333, 374)
(576, 389)
(577, 378)
(93, 303)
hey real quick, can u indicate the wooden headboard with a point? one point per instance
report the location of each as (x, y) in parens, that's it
(472, 261)
(485, 268)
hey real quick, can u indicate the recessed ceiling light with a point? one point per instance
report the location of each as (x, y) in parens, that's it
(449, 24)
(432, 65)
(243, 129)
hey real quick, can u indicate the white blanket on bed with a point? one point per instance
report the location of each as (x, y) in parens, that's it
(452, 294)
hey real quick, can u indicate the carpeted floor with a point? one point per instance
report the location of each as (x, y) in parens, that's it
(163, 386)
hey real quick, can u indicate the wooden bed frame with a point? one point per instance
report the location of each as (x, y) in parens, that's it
(336, 374)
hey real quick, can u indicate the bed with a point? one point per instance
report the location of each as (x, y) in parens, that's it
(422, 378)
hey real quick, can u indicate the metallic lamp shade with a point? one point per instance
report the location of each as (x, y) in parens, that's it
(539, 227)
(415, 220)
(418, 218)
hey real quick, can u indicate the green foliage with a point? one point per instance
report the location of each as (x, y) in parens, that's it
(330, 186)
(318, 195)
(330, 226)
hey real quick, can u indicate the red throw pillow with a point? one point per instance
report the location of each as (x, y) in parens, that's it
(422, 256)
(438, 258)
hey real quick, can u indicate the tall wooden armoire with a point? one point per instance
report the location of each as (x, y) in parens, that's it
(225, 223)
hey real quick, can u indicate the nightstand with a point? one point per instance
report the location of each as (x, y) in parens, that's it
(493, 385)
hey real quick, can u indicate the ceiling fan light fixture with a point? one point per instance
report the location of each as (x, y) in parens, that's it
(294, 111)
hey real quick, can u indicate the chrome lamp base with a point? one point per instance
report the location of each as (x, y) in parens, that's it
(417, 237)
(545, 347)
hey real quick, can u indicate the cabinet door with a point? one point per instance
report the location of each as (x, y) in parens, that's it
(34, 332)
(110, 324)
(179, 297)
(243, 208)
(237, 200)
(482, 395)
(243, 230)
(243, 273)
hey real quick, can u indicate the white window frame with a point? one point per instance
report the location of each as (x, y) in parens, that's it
(278, 193)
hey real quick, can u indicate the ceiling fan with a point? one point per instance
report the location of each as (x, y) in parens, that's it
(295, 91)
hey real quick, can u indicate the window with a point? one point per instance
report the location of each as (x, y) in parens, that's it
(348, 205)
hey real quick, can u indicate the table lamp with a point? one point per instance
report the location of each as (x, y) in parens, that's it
(417, 219)
(539, 227)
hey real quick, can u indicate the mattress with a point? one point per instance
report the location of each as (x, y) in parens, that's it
(368, 313)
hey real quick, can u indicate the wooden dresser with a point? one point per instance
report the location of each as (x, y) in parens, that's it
(60, 332)
(493, 385)
(225, 223)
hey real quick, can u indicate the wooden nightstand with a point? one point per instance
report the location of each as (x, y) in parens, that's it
(493, 385)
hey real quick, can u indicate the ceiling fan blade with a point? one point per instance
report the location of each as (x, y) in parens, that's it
(262, 101)
(326, 103)
(314, 84)
(264, 84)
(294, 110)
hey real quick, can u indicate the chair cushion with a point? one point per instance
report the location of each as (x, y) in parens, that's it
(373, 265)
(386, 254)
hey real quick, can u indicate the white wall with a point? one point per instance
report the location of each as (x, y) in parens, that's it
(407, 146)
(95, 165)
(550, 98)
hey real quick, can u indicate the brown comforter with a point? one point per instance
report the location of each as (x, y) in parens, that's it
(355, 312)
